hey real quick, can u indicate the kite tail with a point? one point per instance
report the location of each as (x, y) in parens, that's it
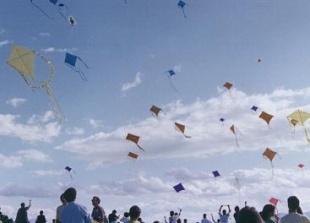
(184, 13)
(306, 134)
(172, 86)
(81, 73)
(83, 63)
(56, 109)
(140, 148)
(237, 141)
(187, 136)
(40, 9)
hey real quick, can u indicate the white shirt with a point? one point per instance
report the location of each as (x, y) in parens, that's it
(294, 217)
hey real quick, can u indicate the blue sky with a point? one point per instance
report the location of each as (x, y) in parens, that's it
(128, 48)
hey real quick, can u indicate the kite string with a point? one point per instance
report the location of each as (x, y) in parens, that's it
(56, 108)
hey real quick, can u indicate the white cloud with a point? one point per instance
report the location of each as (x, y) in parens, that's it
(30, 133)
(135, 83)
(75, 131)
(10, 161)
(16, 102)
(95, 123)
(46, 117)
(201, 118)
(49, 173)
(34, 155)
(45, 34)
(5, 42)
(57, 50)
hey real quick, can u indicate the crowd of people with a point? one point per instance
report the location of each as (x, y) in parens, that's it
(71, 212)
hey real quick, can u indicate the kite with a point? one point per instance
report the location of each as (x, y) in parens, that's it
(222, 120)
(155, 110)
(134, 139)
(234, 130)
(133, 155)
(71, 61)
(179, 187)
(63, 11)
(299, 117)
(266, 117)
(259, 60)
(40, 9)
(170, 74)
(227, 85)
(273, 201)
(181, 5)
(69, 170)
(300, 166)
(270, 154)
(216, 173)
(181, 128)
(22, 60)
(254, 108)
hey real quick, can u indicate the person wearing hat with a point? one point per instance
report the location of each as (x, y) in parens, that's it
(98, 213)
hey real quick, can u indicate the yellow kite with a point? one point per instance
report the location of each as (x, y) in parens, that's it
(299, 117)
(22, 60)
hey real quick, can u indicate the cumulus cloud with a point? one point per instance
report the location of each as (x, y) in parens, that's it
(34, 155)
(28, 132)
(16, 102)
(10, 161)
(46, 117)
(133, 84)
(209, 136)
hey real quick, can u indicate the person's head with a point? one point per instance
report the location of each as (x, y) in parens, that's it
(185, 220)
(22, 205)
(95, 201)
(293, 203)
(70, 194)
(41, 212)
(126, 214)
(171, 213)
(224, 212)
(134, 212)
(249, 215)
(114, 211)
(179, 220)
(237, 209)
(204, 215)
(268, 211)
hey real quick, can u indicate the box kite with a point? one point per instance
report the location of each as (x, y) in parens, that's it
(155, 110)
(22, 60)
(71, 60)
(266, 117)
(233, 129)
(179, 187)
(299, 117)
(134, 139)
(133, 155)
(181, 5)
(269, 154)
(181, 128)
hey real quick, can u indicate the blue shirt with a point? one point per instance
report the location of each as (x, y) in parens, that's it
(74, 213)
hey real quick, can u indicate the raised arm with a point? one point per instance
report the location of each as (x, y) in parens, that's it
(229, 210)
(220, 209)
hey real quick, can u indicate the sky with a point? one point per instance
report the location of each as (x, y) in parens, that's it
(125, 51)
